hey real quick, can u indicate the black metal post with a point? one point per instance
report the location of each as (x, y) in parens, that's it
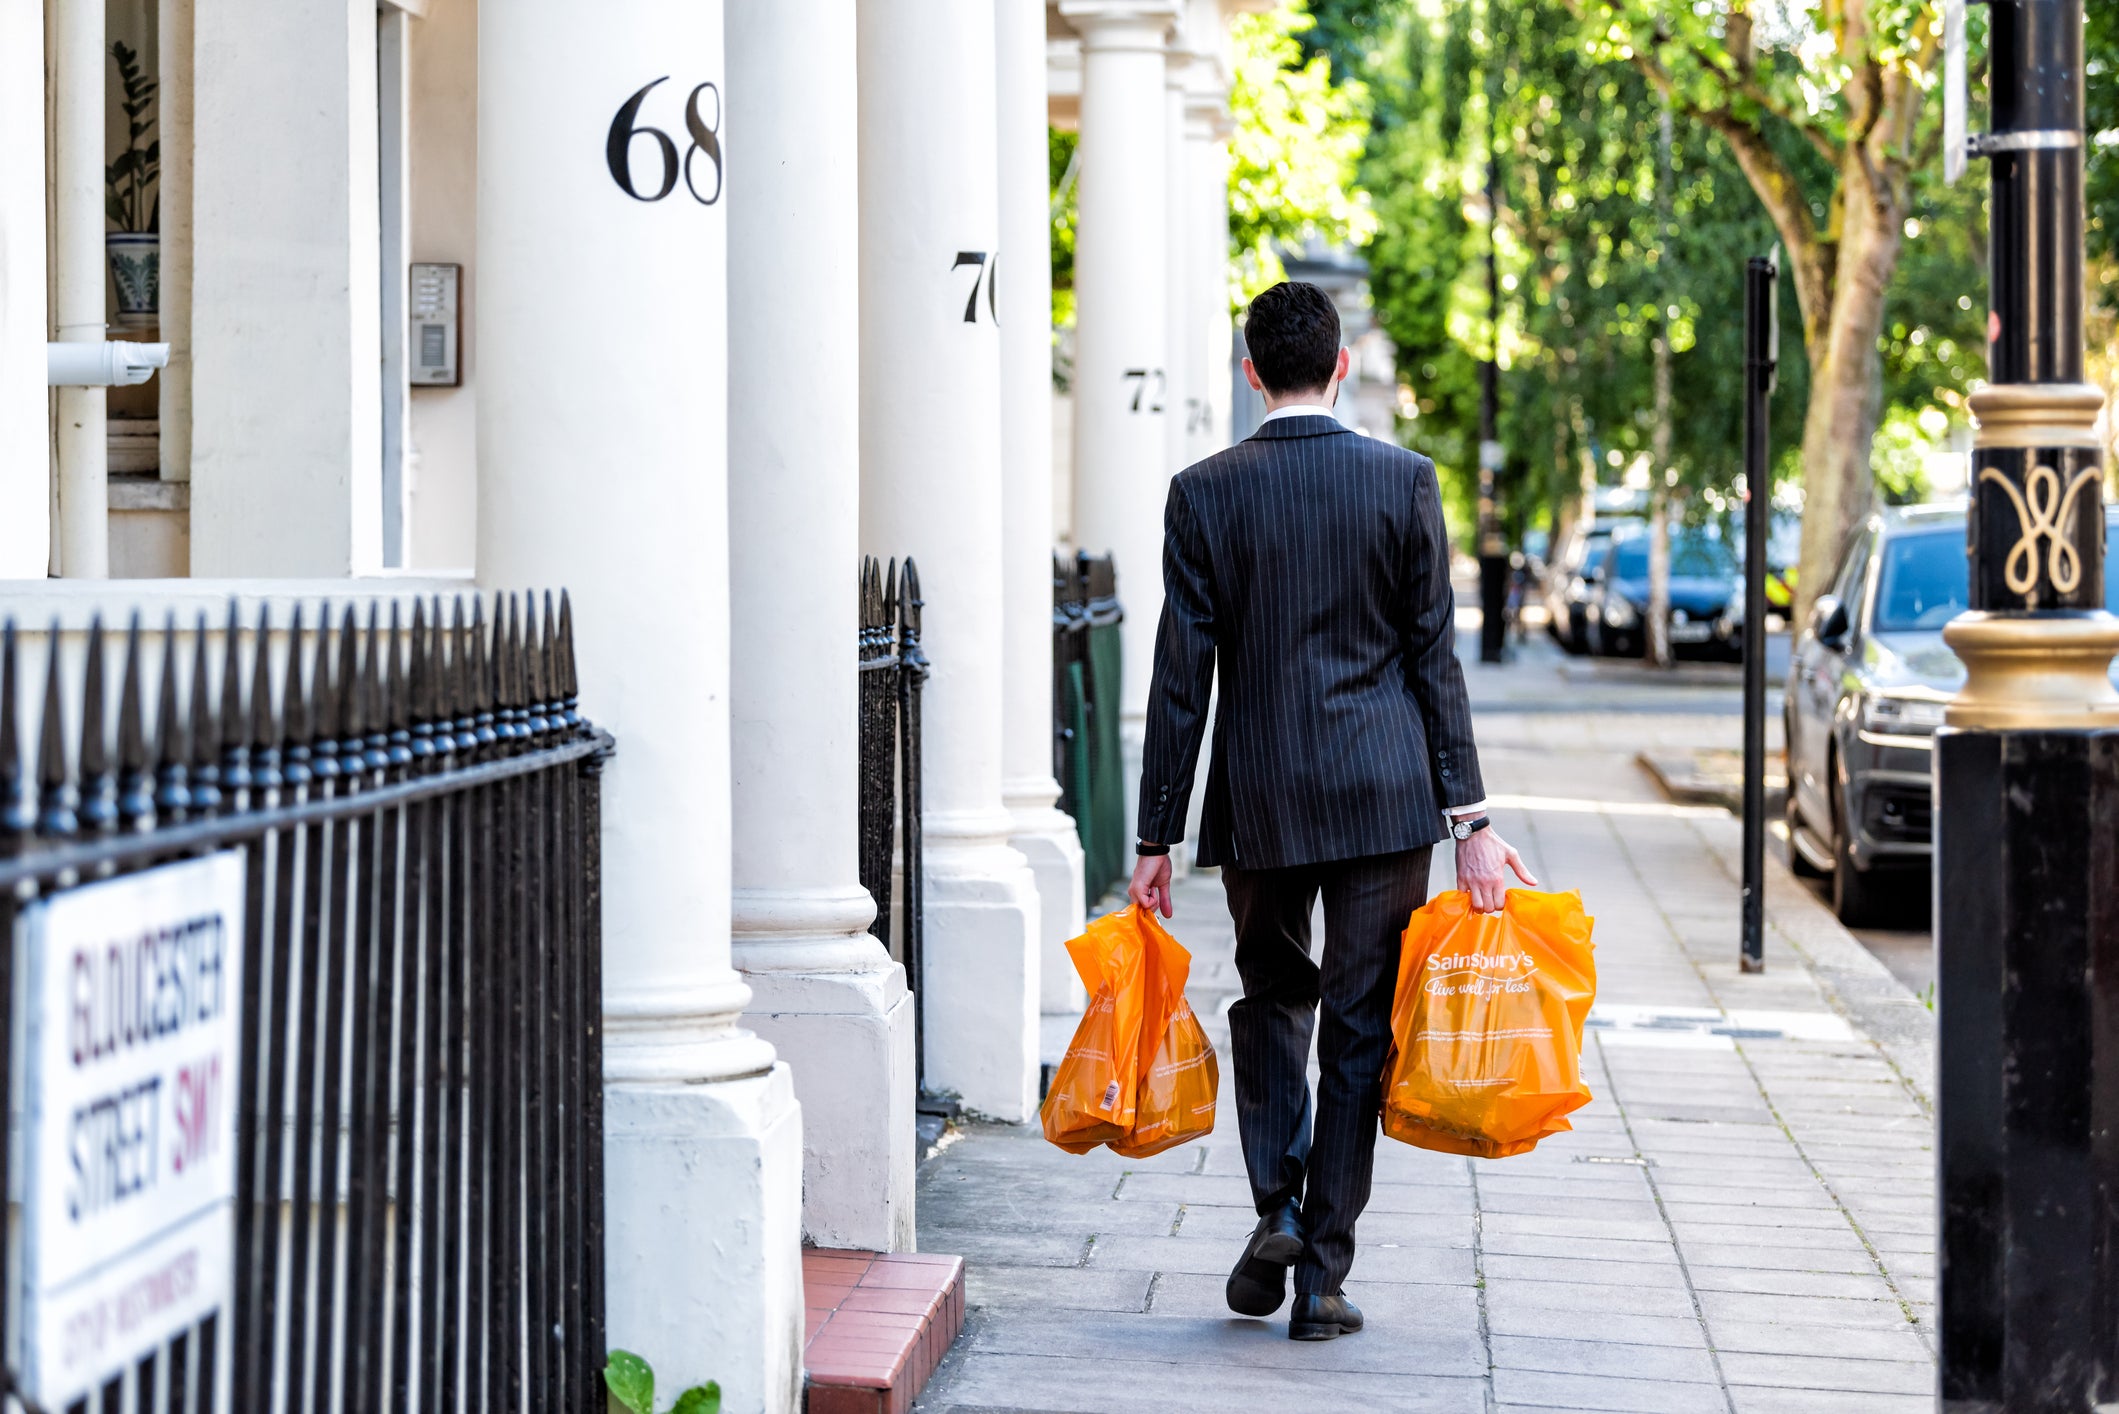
(1493, 548)
(2027, 800)
(1761, 358)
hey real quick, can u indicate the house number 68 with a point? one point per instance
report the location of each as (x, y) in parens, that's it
(706, 141)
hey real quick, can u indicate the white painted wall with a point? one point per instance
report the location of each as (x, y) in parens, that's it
(930, 454)
(173, 105)
(286, 404)
(25, 407)
(1122, 458)
(825, 993)
(1044, 837)
(442, 449)
(602, 446)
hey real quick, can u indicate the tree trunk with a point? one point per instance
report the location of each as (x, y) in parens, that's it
(1659, 652)
(1846, 383)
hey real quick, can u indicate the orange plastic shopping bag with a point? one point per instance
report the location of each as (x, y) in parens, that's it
(1140, 1074)
(1486, 1030)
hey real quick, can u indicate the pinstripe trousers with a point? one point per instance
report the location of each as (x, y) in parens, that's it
(1328, 1164)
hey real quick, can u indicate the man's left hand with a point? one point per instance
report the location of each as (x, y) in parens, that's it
(1483, 864)
(1150, 889)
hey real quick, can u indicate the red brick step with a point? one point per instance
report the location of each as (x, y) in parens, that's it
(878, 1324)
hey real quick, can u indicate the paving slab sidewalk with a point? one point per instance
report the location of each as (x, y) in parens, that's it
(1742, 1220)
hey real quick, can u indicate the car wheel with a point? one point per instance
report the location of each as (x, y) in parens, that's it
(1854, 889)
(1798, 863)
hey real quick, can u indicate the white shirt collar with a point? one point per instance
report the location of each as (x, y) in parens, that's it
(1301, 410)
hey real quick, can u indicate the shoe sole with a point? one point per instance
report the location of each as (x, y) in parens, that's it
(1320, 1330)
(1259, 1284)
(1323, 1330)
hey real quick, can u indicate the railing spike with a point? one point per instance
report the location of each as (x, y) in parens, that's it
(18, 803)
(548, 669)
(294, 707)
(422, 685)
(397, 693)
(323, 702)
(348, 680)
(55, 793)
(264, 720)
(569, 684)
(507, 681)
(235, 745)
(448, 662)
(375, 754)
(98, 810)
(172, 742)
(136, 795)
(205, 731)
(264, 736)
(480, 676)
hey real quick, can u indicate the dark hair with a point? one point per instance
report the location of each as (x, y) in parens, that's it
(1292, 333)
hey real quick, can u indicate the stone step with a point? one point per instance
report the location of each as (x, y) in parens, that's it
(877, 1326)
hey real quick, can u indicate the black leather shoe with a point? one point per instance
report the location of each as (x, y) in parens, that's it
(1323, 1318)
(1259, 1283)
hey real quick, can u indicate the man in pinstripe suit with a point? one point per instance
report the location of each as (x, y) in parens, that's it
(1312, 565)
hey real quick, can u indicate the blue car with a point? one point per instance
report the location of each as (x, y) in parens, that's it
(1704, 574)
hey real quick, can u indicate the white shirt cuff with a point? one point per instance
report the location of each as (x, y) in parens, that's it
(1477, 807)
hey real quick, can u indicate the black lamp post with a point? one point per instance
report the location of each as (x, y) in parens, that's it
(2027, 800)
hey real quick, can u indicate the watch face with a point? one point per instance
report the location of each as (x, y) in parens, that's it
(1461, 830)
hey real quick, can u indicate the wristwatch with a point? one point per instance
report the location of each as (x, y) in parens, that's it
(1462, 830)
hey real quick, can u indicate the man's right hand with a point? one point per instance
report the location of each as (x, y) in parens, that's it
(1150, 888)
(1484, 863)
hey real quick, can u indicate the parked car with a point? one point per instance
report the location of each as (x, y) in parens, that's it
(1572, 575)
(1868, 679)
(1784, 547)
(1703, 576)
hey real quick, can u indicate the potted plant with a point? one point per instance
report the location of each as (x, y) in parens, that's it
(130, 200)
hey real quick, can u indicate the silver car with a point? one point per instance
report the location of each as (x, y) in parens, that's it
(1867, 682)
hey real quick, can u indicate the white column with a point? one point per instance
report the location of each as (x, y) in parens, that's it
(78, 263)
(602, 454)
(25, 410)
(825, 992)
(931, 489)
(1042, 834)
(286, 303)
(1206, 206)
(173, 109)
(1181, 350)
(1123, 400)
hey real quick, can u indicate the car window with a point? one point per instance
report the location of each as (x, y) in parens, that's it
(1924, 581)
(1695, 555)
(1846, 585)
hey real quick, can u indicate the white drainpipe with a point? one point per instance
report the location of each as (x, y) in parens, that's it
(78, 309)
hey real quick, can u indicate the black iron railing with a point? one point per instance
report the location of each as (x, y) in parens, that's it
(419, 1206)
(893, 666)
(1087, 756)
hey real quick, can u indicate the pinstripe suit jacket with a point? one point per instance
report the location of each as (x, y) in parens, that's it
(1312, 564)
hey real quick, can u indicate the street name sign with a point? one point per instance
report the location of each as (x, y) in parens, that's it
(133, 991)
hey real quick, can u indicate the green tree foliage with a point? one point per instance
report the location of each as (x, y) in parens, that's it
(2101, 39)
(1297, 145)
(1592, 274)
(1060, 150)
